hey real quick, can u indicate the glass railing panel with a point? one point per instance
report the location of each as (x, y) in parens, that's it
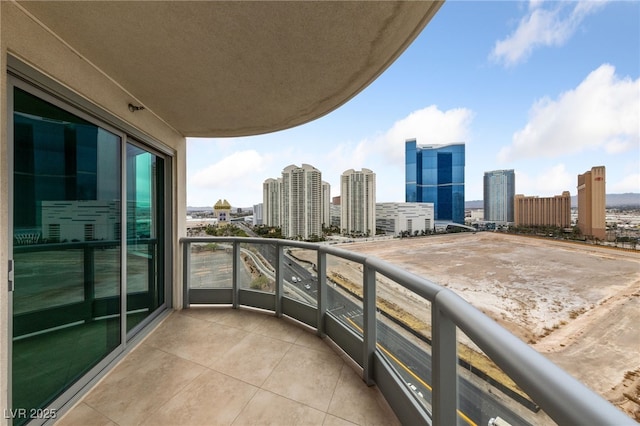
(257, 267)
(344, 291)
(403, 329)
(486, 392)
(211, 265)
(300, 275)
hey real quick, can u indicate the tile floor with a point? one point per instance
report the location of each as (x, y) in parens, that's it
(213, 366)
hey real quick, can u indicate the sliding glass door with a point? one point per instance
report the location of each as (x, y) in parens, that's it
(88, 220)
(145, 232)
(66, 248)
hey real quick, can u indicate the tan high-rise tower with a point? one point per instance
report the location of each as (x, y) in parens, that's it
(591, 203)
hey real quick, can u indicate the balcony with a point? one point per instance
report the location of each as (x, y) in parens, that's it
(278, 331)
(222, 366)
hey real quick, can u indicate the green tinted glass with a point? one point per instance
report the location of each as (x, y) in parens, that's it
(66, 249)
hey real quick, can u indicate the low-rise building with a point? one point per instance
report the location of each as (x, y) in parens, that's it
(543, 211)
(396, 218)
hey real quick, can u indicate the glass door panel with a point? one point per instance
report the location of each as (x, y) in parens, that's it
(66, 248)
(145, 234)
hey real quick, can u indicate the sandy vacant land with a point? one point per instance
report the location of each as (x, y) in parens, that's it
(577, 304)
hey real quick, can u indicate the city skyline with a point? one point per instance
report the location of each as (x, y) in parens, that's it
(524, 89)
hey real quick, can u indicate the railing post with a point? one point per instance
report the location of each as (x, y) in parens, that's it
(279, 278)
(186, 273)
(235, 274)
(321, 272)
(369, 323)
(444, 358)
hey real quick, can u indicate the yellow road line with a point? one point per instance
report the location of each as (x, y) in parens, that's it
(411, 373)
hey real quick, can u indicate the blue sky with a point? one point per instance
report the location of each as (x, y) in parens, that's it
(549, 89)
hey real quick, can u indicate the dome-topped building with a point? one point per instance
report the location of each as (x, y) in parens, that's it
(222, 211)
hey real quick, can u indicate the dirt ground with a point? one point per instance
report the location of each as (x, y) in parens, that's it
(577, 304)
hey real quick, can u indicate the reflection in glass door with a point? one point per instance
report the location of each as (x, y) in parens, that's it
(66, 249)
(145, 234)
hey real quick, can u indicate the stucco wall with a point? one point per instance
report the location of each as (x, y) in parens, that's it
(24, 38)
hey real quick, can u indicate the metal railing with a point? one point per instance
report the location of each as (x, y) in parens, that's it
(563, 398)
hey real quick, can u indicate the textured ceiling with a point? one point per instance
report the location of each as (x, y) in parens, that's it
(212, 68)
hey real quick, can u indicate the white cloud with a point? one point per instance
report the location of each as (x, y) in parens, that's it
(630, 183)
(384, 152)
(429, 125)
(542, 26)
(547, 182)
(602, 112)
(232, 171)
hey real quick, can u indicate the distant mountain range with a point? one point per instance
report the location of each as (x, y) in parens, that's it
(629, 199)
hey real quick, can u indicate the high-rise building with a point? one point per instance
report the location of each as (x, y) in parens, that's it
(272, 202)
(592, 203)
(326, 204)
(435, 174)
(543, 211)
(499, 191)
(358, 198)
(258, 214)
(301, 202)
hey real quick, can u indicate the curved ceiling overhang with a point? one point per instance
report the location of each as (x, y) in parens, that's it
(217, 69)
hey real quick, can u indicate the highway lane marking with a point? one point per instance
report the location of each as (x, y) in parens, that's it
(414, 375)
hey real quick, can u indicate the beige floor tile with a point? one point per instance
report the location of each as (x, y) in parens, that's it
(353, 400)
(224, 366)
(83, 415)
(279, 328)
(210, 399)
(252, 359)
(244, 319)
(195, 339)
(267, 408)
(142, 383)
(306, 376)
(312, 341)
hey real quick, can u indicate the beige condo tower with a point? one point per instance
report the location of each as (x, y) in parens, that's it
(591, 203)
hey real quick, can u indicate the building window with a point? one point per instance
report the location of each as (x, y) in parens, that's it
(89, 232)
(54, 232)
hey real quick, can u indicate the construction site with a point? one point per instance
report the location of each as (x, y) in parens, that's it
(575, 303)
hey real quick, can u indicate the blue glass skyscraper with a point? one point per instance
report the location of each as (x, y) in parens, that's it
(435, 174)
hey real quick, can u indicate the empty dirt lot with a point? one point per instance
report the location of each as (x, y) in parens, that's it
(577, 304)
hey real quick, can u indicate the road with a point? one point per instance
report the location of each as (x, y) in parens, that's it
(413, 364)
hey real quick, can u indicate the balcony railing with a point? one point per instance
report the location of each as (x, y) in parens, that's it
(451, 366)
